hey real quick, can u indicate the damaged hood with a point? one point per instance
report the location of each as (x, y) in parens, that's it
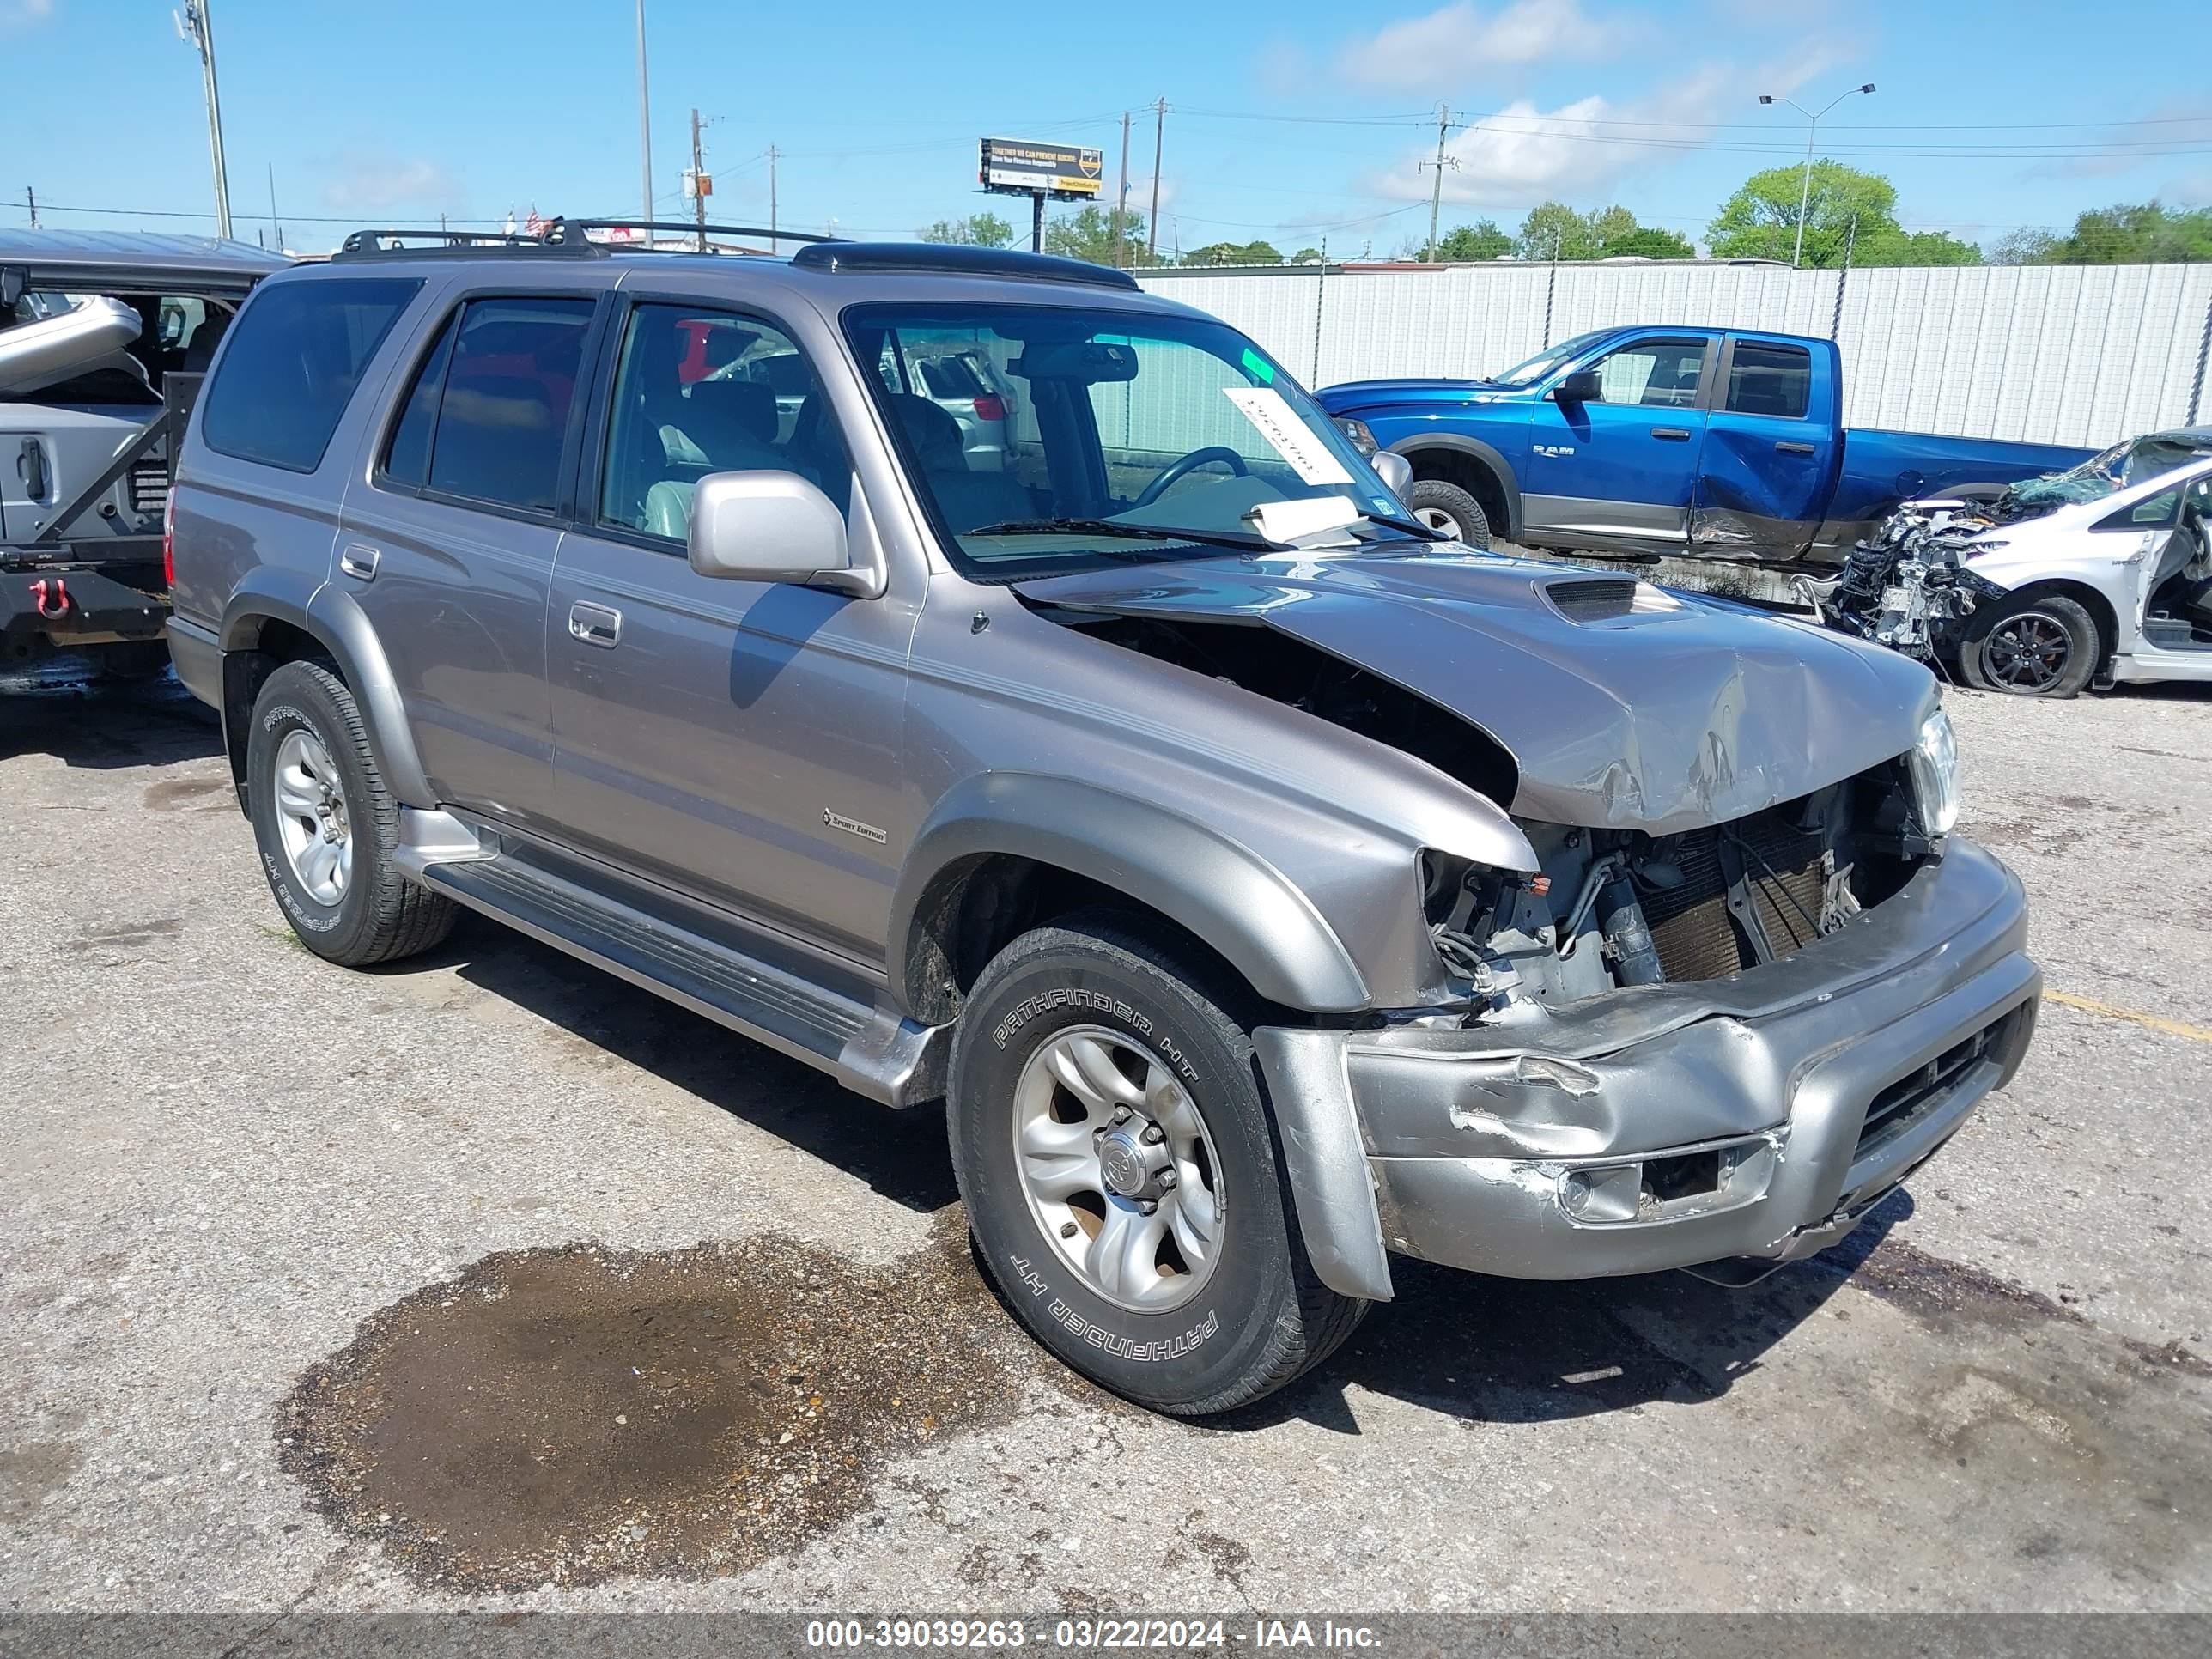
(1624, 706)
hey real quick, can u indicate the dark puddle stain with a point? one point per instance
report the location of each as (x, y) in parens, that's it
(30, 1470)
(176, 792)
(128, 933)
(573, 1414)
(1937, 1292)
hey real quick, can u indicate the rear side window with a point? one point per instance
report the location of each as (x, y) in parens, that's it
(488, 414)
(1771, 379)
(298, 353)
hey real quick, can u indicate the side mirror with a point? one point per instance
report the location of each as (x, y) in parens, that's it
(768, 527)
(1583, 386)
(1395, 469)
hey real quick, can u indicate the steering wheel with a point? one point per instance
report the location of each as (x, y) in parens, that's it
(1191, 463)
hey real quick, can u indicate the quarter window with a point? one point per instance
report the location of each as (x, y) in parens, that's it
(299, 351)
(1771, 379)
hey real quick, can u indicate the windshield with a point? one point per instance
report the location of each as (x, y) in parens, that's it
(1549, 360)
(1048, 438)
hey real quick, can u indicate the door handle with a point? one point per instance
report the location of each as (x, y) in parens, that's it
(595, 624)
(31, 468)
(1787, 448)
(359, 561)
(1672, 434)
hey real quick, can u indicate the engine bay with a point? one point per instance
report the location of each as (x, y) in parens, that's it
(1609, 908)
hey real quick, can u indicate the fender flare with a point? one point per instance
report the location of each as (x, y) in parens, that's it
(341, 627)
(1491, 458)
(1223, 891)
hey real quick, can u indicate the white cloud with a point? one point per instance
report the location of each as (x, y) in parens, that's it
(366, 182)
(1462, 45)
(1580, 151)
(21, 14)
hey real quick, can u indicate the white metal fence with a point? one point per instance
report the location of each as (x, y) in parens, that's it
(2049, 354)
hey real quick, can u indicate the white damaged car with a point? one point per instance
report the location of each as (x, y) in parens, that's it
(2118, 588)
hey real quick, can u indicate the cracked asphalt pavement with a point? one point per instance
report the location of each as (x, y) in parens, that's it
(486, 1280)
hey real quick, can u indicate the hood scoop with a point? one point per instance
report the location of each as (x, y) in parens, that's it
(1596, 599)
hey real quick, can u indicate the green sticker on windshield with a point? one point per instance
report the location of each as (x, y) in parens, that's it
(1257, 366)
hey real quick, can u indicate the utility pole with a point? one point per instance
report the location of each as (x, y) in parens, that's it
(644, 128)
(773, 152)
(1152, 224)
(274, 228)
(1122, 197)
(698, 184)
(31, 196)
(1812, 126)
(196, 30)
(1437, 185)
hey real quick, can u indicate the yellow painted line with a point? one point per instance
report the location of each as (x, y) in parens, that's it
(2091, 1006)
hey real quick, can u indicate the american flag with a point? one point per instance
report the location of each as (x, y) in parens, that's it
(533, 226)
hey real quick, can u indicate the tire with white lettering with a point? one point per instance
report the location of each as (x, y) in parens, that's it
(1447, 507)
(1122, 1174)
(328, 826)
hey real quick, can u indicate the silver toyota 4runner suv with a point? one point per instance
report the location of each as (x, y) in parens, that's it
(1265, 887)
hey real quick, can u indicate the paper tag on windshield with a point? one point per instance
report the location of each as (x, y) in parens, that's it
(1292, 439)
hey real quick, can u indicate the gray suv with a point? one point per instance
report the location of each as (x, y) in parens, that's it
(1265, 887)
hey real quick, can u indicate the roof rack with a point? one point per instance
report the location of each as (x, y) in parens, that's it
(391, 243)
(687, 228)
(953, 260)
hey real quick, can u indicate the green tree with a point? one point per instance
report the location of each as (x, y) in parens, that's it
(1088, 234)
(976, 230)
(1479, 240)
(1307, 256)
(1234, 254)
(2025, 247)
(1553, 230)
(1648, 242)
(1843, 207)
(2145, 232)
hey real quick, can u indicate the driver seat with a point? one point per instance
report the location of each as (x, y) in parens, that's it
(966, 498)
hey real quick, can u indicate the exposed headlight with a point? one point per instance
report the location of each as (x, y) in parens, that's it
(1975, 550)
(1935, 761)
(1362, 438)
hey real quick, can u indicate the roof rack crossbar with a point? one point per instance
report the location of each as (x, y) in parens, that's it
(687, 227)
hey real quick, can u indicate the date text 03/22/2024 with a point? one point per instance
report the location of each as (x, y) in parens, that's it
(987, 1635)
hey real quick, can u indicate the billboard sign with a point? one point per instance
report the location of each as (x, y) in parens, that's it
(1061, 170)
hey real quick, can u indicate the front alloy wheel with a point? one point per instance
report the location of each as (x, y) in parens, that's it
(2042, 646)
(1117, 1157)
(1118, 1168)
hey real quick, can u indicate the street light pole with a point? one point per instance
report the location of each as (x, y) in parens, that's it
(195, 28)
(644, 128)
(1812, 126)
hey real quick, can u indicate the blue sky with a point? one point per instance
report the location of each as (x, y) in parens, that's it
(1287, 119)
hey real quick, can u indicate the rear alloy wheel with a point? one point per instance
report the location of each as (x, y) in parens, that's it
(328, 826)
(1118, 1165)
(1448, 508)
(2042, 647)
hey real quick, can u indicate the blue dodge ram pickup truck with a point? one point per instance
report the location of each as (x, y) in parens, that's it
(1697, 442)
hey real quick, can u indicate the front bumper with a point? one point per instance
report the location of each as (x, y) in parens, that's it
(1757, 1116)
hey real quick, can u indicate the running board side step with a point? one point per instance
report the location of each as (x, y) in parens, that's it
(870, 1049)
